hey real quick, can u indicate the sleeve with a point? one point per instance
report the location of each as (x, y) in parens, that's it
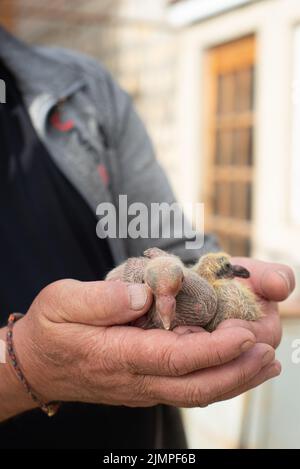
(142, 180)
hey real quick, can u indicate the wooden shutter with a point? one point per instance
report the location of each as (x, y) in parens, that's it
(229, 117)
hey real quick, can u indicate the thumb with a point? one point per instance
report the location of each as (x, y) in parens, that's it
(272, 281)
(100, 303)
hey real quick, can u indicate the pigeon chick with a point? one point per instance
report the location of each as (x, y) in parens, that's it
(163, 273)
(180, 296)
(195, 300)
(235, 300)
(131, 271)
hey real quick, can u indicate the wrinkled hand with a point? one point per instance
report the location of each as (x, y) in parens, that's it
(69, 351)
(272, 283)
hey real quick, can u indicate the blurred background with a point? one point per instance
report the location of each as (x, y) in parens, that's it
(217, 83)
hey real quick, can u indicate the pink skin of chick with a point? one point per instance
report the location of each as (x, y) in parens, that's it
(164, 275)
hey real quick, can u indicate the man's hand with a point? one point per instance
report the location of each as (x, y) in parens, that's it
(69, 351)
(272, 283)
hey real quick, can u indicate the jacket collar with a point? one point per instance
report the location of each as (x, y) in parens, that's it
(39, 74)
(42, 78)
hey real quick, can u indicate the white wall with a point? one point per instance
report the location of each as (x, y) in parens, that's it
(295, 167)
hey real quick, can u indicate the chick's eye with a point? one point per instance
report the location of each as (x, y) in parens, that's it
(227, 265)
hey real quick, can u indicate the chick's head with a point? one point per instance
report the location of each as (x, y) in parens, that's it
(164, 275)
(215, 266)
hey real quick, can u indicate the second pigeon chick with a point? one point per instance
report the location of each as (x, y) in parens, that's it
(235, 300)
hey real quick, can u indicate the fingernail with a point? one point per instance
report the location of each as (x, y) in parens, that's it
(286, 279)
(267, 358)
(138, 296)
(247, 345)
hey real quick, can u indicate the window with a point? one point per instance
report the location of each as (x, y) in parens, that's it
(230, 71)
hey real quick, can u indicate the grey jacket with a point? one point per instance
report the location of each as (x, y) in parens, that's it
(92, 132)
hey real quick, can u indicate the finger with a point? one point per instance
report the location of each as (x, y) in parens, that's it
(96, 303)
(268, 372)
(272, 281)
(169, 354)
(188, 329)
(203, 387)
(267, 330)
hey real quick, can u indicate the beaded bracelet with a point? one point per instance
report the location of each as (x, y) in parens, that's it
(49, 409)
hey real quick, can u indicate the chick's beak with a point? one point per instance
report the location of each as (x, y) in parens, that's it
(166, 310)
(240, 271)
